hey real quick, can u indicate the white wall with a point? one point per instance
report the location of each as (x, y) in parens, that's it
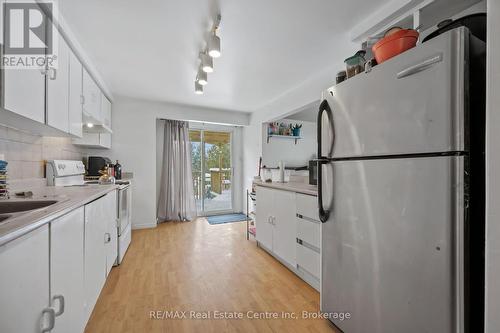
(492, 315)
(252, 143)
(134, 144)
(286, 150)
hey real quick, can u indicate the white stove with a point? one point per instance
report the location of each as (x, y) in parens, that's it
(72, 173)
(65, 173)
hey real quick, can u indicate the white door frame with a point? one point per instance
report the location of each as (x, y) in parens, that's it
(235, 172)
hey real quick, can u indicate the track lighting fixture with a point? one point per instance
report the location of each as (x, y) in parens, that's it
(211, 51)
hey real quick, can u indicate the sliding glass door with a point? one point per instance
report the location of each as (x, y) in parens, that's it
(212, 171)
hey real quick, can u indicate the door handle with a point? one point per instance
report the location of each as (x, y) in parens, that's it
(51, 314)
(324, 107)
(60, 298)
(53, 73)
(107, 237)
(420, 66)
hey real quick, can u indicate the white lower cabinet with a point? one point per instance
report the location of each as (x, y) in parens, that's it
(276, 225)
(51, 277)
(264, 211)
(24, 284)
(66, 271)
(101, 249)
(288, 226)
(111, 240)
(95, 253)
(285, 230)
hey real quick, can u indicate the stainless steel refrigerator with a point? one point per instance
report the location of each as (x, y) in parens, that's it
(401, 192)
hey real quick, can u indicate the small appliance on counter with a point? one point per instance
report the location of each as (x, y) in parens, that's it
(96, 164)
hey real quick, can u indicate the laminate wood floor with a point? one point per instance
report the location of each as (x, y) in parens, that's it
(194, 266)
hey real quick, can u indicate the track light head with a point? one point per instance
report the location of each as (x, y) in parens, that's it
(198, 88)
(201, 78)
(207, 63)
(214, 46)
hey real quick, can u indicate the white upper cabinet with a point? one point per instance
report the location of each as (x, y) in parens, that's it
(75, 96)
(94, 140)
(57, 100)
(58, 87)
(91, 99)
(106, 112)
(24, 93)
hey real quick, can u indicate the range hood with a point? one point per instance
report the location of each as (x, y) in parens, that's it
(93, 125)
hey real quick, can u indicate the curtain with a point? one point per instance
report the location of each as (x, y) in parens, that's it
(176, 201)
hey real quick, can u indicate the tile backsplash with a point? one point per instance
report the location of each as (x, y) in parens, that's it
(27, 153)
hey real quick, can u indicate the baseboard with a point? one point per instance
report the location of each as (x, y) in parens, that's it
(143, 226)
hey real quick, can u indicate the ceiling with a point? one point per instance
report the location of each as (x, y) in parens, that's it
(149, 49)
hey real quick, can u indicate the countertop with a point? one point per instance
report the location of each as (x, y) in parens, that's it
(299, 187)
(69, 198)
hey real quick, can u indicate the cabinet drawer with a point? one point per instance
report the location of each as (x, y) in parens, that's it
(309, 231)
(307, 205)
(308, 259)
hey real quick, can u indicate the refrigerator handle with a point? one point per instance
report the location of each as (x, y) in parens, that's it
(324, 107)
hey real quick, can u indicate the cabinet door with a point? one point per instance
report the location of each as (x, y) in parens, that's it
(285, 227)
(94, 140)
(24, 282)
(106, 111)
(58, 88)
(24, 92)
(105, 140)
(95, 253)
(75, 96)
(264, 211)
(66, 270)
(91, 98)
(112, 231)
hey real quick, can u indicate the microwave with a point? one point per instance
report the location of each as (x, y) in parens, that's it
(313, 172)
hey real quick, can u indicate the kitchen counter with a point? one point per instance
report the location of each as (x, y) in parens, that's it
(299, 187)
(69, 198)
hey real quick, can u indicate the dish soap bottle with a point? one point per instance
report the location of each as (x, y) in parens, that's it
(118, 170)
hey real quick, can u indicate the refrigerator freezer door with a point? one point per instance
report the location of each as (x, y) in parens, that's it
(412, 103)
(392, 249)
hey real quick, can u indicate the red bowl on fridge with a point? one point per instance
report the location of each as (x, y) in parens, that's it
(394, 44)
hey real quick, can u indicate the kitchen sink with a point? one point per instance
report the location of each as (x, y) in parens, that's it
(4, 217)
(22, 206)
